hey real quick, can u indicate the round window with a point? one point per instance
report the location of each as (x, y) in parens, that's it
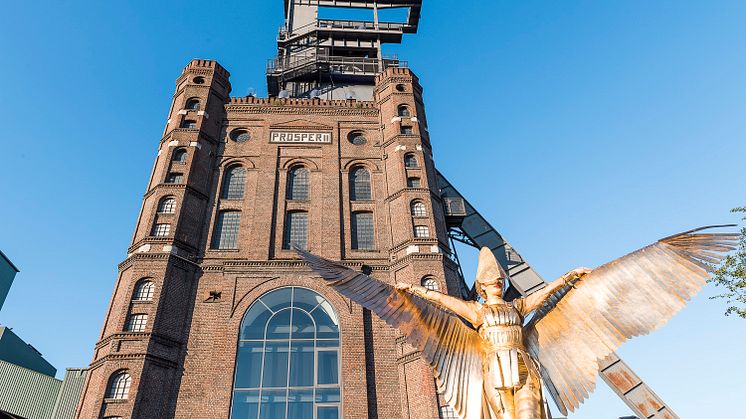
(198, 80)
(240, 135)
(357, 138)
(401, 88)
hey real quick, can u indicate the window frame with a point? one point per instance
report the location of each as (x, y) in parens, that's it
(259, 309)
(166, 205)
(161, 230)
(421, 228)
(229, 190)
(141, 294)
(355, 232)
(287, 235)
(302, 190)
(113, 390)
(355, 182)
(136, 323)
(418, 209)
(231, 237)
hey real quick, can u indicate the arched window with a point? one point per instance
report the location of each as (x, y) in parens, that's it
(298, 184)
(404, 111)
(167, 205)
(179, 156)
(430, 283)
(360, 188)
(421, 232)
(414, 182)
(226, 230)
(233, 183)
(119, 386)
(410, 161)
(288, 363)
(193, 104)
(144, 290)
(189, 124)
(296, 230)
(418, 209)
(363, 231)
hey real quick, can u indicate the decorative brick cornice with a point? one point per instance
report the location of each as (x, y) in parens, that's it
(280, 109)
(406, 359)
(402, 191)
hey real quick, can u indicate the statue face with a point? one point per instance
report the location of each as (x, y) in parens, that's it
(493, 288)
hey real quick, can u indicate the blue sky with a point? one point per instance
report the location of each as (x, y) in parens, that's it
(581, 129)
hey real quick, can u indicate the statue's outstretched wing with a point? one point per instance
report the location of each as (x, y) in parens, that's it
(630, 296)
(452, 348)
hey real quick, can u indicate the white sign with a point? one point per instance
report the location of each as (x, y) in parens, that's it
(300, 137)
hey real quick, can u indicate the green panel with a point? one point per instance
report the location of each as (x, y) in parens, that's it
(27, 393)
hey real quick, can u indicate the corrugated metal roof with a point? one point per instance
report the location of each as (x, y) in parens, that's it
(69, 396)
(27, 393)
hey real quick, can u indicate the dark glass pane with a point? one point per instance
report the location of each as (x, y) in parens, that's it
(327, 395)
(303, 327)
(326, 327)
(249, 364)
(331, 343)
(226, 231)
(300, 404)
(279, 326)
(328, 367)
(233, 184)
(363, 233)
(277, 300)
(305, 299)
(296, 230)
(360, 189)
(255, 321)
(327, 412)
(298, 184)
(273, 404)
(276, 365)
(301, 364)
(245, 405)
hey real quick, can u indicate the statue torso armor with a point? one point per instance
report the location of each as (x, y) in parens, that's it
(502, 326)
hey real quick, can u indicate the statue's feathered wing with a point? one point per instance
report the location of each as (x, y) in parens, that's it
(628, 297)
(452, 348)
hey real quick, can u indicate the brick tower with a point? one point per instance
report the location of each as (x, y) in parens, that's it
(204, 318)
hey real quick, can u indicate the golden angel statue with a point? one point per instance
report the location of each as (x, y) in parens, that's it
(492, 359)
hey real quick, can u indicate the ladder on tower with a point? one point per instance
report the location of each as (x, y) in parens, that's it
(466, 225)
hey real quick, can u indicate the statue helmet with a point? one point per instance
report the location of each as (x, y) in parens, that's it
(488, 270)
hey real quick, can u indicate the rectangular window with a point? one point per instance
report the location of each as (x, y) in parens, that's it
(296, 230)
(162, 230)
(175, 178)
(414, 182)
(405, 130)
(421, 232)
(363, 231)
(137, 322)
(226, 230)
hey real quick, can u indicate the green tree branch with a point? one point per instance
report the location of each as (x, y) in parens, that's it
(731, 275)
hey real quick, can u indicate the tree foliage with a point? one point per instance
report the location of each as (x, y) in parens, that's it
(731, 275)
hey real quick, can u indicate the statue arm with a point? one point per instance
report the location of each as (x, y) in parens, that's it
(460, 307)
(537, 299)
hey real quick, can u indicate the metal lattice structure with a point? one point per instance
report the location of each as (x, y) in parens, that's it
(334, 58)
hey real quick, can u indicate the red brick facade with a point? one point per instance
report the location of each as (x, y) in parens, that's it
(182, 364)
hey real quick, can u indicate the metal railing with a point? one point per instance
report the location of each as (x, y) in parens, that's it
(334, 64)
